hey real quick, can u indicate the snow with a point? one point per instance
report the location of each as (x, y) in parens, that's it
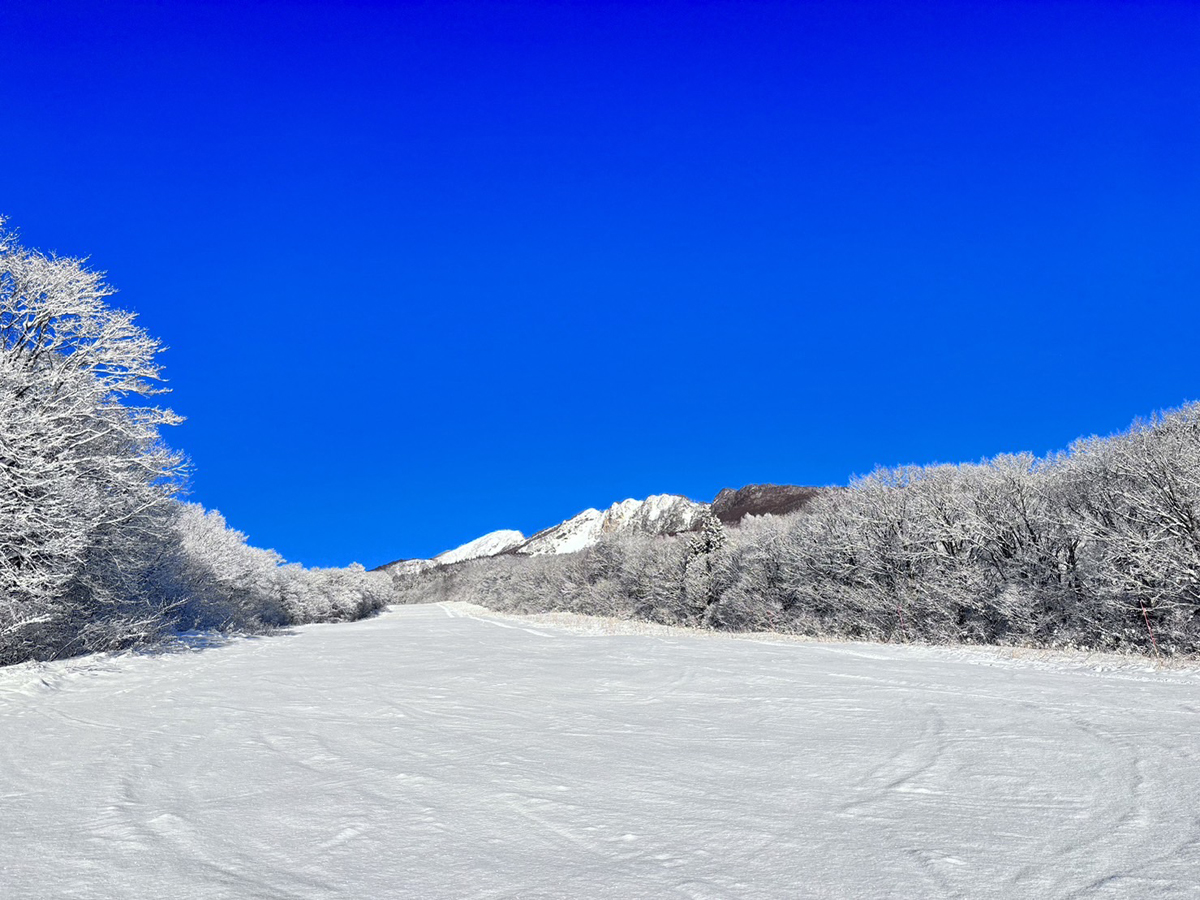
(442, 752)
(489, 545)
(410, 566)
(577, 533)
(658, 514)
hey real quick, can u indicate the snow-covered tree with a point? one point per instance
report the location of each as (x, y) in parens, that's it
(96, 552)
(85, 480)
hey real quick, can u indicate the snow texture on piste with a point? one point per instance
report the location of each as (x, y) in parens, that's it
(439, 752)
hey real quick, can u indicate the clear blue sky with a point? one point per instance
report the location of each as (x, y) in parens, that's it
(432, 269)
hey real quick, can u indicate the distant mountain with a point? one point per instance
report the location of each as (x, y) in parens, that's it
(658, 514)
(491, 544)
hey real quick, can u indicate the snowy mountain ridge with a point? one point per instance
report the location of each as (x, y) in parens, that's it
(491, 544)
(657, 514)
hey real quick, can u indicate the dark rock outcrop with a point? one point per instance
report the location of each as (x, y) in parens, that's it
(732, 506)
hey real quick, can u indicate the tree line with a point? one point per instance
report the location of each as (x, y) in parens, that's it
(97, 550)
(1095, 547)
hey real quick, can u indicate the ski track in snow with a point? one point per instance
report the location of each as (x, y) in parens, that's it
(441, 752)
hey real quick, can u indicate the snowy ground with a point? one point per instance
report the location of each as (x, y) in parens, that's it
(440, 752)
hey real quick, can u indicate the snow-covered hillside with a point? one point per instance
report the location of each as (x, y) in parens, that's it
(659, 514)
(577, 533)
(437, 752)
(488, 545)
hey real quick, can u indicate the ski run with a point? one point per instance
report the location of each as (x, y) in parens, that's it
(445, 752)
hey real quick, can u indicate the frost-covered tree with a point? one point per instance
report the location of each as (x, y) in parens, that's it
(85, 480)
(700, 582)
(96, 552)
(1137, 498)
(1097, 546)
(222, 581)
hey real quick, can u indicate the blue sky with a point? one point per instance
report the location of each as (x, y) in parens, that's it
(428, 270)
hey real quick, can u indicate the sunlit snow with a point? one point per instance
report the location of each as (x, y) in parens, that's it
(443, 752)
(643, 516)
(489, 545)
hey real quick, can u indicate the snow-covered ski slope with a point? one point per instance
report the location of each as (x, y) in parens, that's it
(437, 752)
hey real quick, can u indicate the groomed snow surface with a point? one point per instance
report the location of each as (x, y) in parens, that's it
(442, 752)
